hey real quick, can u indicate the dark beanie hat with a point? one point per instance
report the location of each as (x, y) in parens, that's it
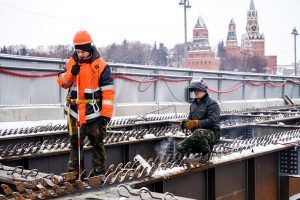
(84, 47)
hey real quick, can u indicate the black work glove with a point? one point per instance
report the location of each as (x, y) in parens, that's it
(182, 124)
(75, 69)
(104, 120)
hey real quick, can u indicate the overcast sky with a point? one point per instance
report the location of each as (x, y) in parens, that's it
(46, 22)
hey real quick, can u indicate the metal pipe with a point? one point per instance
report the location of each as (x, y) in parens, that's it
(295, 33)
(186, 5)
(185, 34)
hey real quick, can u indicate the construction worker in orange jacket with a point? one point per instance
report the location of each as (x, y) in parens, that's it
(94, 103)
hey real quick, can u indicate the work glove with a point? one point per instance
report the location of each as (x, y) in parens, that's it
(104, 120)
(182, 124)
(75, 69)
(191, 124)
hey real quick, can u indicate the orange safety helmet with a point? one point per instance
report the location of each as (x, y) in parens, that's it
(82, 37)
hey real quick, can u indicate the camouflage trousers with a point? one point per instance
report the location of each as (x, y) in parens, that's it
(201, 141)
(96, 134)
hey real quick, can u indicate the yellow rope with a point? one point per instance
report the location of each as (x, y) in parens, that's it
(69, 121)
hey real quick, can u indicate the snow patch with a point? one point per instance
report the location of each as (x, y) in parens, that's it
(169, 134)
(167, 172)
(149, 136)
(132, 139)
(143, 162)
(28, 124)
(180, 134)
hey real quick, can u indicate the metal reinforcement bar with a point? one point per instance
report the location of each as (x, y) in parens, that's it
(263, 109)
(24, 184)
(20, 150)
(21, 184)
(130, 123)
(46, 147)
(116, 122)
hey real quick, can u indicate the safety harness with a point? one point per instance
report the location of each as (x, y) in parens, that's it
(93, 102)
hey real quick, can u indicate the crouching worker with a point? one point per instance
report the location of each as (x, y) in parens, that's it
(203, 121)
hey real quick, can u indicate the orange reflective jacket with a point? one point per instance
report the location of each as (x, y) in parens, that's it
(96, 89)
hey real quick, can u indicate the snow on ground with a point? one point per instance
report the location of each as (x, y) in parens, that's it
(25, 124)
(254, 150)
(166, 115)
(218, 159)
(167, 172)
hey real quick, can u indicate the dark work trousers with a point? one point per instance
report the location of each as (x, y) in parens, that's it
(201, 141)
(96, 133)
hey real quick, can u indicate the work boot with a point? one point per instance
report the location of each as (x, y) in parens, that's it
(205, 158)
(82, 175)
(70, 176)
(97, 172)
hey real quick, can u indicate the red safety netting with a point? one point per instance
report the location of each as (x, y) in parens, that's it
(268, 83)
(26, 75)
(150, 80)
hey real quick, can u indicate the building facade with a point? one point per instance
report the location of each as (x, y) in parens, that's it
(200, 54)
(252, 42)
(231, 46)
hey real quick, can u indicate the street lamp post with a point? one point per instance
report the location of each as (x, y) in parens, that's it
(185, 4)
(295, 33)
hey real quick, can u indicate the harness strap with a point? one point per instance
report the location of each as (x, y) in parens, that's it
(81, 101)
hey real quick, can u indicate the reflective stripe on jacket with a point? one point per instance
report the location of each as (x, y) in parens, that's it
(95, 82)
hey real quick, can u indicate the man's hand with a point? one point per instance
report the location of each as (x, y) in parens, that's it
(104, 120)
(191, 124)
(75, 69)
(182, 124)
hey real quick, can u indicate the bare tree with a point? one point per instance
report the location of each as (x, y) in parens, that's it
(255, 64)
(4, 50)
(127, 52)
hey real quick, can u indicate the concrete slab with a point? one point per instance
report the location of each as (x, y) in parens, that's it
(32, 113)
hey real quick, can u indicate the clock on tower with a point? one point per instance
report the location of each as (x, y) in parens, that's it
(254, 27)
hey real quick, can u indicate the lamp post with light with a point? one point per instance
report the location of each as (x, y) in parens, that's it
(185, 4)
(295, 33)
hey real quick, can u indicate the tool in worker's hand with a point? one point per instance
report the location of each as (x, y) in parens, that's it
(78, 128)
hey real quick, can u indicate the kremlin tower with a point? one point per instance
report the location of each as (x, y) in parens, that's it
(200, 55)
